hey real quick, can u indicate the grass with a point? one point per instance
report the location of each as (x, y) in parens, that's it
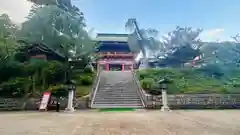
(83, 90)
(116, 109)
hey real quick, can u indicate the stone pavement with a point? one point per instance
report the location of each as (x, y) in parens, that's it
(224, 122)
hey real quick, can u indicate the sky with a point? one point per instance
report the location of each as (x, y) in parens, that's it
(218, 18)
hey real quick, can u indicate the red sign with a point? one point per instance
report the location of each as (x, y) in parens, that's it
(44, 101)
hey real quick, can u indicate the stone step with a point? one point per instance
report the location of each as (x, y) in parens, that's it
(117, 102)
(116, 86)
(122, 94)
(117, 91)
(116, 106)
(118, 99)
(116, 95)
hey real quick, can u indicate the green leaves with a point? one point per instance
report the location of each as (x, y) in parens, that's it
(186, 81)
(8, 32)
(60, 25)
(44, 2)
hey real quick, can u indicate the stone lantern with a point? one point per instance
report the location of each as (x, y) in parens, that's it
(163, 85)
(71, 90)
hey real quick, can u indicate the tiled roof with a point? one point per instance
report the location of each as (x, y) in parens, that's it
(111, 37)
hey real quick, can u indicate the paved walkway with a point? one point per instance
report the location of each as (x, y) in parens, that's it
(121, 123)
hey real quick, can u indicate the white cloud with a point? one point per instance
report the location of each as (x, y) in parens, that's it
(16, 9)
(213, 35)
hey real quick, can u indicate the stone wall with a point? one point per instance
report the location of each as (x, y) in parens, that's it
(13, 104)
(196, 101)
(185, 101)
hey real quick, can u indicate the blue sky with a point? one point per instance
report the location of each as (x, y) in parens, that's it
(219, 18)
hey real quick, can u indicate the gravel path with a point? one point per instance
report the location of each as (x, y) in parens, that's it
(121, 123)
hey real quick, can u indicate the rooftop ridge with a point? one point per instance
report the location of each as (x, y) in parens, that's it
(112, 34)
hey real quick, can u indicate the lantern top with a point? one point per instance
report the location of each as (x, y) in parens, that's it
(70, 82)
(164, 81)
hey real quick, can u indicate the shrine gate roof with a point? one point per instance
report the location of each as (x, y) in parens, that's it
(112, 37)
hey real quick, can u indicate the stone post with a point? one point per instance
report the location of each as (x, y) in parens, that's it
(164, 101)
(71, 90)
(163, 83)
(70, 101)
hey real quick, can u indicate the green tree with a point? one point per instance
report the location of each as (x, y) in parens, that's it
(61, 26)
(8, 32)
(179, 47)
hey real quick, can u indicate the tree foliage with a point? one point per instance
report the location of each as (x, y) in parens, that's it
(61, 26)
(55, 23)
(179, 47)
(8, 30)
(188, 81)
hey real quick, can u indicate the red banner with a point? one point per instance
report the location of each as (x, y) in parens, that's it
(44, 101)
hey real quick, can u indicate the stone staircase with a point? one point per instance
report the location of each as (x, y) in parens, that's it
(117, 89)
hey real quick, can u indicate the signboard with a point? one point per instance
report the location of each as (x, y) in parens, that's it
(43, 57)
(44, 101)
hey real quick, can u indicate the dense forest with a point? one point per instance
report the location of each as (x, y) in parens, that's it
(61, 26)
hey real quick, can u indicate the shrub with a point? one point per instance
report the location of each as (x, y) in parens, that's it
(59, 91)
(88, 70)
(185, 81)
(83, 90)
(147, 83)
(86, 80)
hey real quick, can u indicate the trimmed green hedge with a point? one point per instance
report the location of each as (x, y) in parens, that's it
(187, 81)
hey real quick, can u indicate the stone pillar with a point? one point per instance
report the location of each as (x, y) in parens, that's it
(164, 101)
(98, 66)
(70, 101)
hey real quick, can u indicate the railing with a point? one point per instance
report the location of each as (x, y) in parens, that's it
(140, 90)
(94, 88)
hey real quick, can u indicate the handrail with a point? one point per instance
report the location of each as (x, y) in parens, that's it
(94, 88)
(140, 90)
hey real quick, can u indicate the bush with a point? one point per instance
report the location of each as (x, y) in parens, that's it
(147, 83)
(17, 87)
(88, 70)
(86, 80)
(185, 81)
(83, 90)
(59, 91)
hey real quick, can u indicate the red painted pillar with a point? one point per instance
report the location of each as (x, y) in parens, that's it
(107, 66)
(122, 66)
